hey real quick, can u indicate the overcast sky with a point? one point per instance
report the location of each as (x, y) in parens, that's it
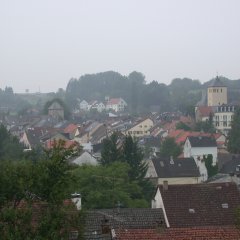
(43, 43)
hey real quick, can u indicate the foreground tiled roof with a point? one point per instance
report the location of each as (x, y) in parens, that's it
(204, 233)
(128, 218)
(194, 205)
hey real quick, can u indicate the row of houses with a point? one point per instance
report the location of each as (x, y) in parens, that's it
(114, 104)
(186, 204)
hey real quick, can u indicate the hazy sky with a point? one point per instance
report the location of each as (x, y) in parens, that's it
(43, 43)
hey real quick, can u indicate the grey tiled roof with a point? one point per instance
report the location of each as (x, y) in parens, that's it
(179, 167)
(123, 218)
(217, 83)
(202, 141)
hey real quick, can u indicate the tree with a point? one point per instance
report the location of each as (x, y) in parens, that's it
(181, 125)
(169, 148)
(10, 148)
(32, 197)
(105, 186)
(233, 143)
(211, 170)
(110, 152)
(206, 126)
(133, 155)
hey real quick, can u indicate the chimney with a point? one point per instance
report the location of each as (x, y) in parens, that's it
(105, 226)
(171, 160)
(76, 199)
(165, 185)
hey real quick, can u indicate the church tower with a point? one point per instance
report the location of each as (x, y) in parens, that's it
(217, 93)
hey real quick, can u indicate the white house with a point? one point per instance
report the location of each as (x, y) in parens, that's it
(99, 106)
(223, 117)
(116, 104)
(200, 146)
(83, 105)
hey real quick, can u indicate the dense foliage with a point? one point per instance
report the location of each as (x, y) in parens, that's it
(11, 102)
(211, 170)
(180, 94)
(32, 198)
(107, 186)
(206, 126)
(10, 148)
(128, 152)
(169, 148)
(233, 143)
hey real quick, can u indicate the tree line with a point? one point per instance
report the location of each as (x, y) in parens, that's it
(181, 94)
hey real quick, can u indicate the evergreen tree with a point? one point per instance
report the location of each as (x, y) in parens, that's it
(169, 148)
(211, 170)
(133, 155)
(110, 152)
(10, 148)
(233, 144)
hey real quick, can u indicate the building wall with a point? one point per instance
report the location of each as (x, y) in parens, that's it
(180, 180)
(217, 96)
(197, 153)
(84, 105)
(25, 142)
(222, 121)
(157, 202)
(141, 129)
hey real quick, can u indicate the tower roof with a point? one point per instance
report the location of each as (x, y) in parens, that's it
(217, 83)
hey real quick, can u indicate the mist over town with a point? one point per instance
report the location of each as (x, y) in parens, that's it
(119, 120)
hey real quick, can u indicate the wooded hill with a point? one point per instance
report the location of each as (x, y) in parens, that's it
(181, 94)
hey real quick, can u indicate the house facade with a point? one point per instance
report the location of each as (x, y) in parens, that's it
(198, 147)
(116, 104)
(83, 105)
(174, 171)
(141, 128)
(223, 117)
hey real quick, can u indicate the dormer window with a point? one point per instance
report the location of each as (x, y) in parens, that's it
(191, 210)
(224, 205)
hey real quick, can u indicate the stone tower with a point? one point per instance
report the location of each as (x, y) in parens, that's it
(217, 93)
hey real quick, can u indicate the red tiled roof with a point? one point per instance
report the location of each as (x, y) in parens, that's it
(212, 204)
(185, 119)
(205, 111)
(67, 144)
(198, 233)
(114, 101)
(70, 128)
